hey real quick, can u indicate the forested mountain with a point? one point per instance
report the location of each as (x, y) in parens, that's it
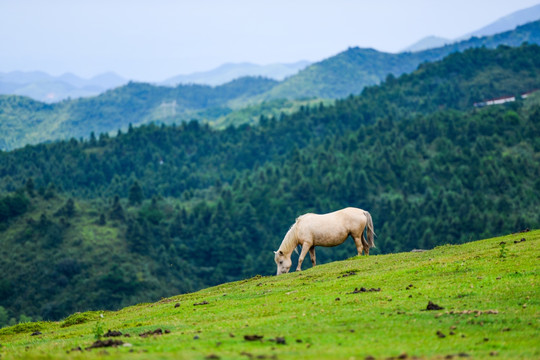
(24, 121)
(159, 210)
(350, 71)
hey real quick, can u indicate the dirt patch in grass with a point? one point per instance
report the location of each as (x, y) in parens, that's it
(105, 343)
(363, 289)
(253, 337)
(349, 273)
(154, 332)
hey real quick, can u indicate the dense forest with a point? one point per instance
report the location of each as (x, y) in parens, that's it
(159, 210)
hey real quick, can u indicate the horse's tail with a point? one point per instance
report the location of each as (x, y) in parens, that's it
(370, 229)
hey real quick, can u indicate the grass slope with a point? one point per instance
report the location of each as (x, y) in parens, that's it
(489, 293)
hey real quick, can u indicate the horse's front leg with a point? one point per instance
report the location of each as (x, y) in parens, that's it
(305, 248)
(312, 255)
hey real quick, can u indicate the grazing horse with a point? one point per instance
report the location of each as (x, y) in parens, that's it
(331, 229)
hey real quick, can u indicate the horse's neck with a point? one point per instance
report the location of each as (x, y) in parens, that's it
(289, 242)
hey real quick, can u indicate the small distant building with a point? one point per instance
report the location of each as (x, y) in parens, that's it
(527, 94)
(496, 101)
(502, 100)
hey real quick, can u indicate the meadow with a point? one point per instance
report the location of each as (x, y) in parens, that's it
(476, 300)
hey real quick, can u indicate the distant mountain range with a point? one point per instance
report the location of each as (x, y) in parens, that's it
(24, 121)
(505, 23)
(228, 72)
(48, 88)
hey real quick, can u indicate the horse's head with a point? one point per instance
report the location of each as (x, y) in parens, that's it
(283, 262)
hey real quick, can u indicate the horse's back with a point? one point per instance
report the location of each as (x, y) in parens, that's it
(343, 216)
(353, 213)
(333, 228)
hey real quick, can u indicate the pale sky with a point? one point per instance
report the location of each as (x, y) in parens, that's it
(151, 40)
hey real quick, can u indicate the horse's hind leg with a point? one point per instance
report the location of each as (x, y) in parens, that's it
(366, 246)
(360, 245)
(312, 255)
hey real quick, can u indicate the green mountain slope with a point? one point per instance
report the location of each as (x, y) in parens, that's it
(25, 121)
(366, 307)
(350, 71)
(184, 207)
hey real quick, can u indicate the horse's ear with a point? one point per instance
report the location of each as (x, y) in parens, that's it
(275, 252)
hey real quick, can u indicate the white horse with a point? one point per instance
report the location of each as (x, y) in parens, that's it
(331, 229)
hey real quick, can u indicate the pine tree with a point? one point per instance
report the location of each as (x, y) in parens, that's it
(135, 194)
(30, 187)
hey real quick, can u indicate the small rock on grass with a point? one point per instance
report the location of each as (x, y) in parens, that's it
(433, 306)
(112, 333)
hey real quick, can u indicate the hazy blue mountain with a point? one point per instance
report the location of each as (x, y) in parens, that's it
(48, 88)
(506, 23)
(428, 42)
(24, 77)
(107, 80)
(231, 71)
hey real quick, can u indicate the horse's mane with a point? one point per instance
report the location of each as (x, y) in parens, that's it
(290, 241)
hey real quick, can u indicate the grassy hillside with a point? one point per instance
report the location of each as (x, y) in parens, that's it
(487, 290)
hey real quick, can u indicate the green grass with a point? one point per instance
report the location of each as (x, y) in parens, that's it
(490, 299)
